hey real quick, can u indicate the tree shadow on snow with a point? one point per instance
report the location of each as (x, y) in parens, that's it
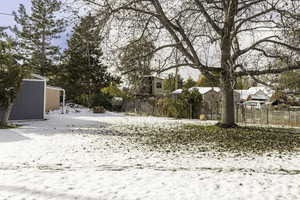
(11, 136)
(42, 194)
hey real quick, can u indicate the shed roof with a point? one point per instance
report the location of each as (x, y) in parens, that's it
(54, 88)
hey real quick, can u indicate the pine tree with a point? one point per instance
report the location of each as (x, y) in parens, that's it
(35, 34)
(83, 71)
(11, 75)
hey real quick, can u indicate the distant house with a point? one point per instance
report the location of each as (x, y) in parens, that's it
(256, 93)
(211, 102)
(34, 99)
(209, 94)
(150, 86)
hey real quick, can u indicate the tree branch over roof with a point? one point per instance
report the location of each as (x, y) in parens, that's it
(269, 71)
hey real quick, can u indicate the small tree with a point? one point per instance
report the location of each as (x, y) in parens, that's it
(189, 83)
(11, 75)
(203, 81)
(170, 82)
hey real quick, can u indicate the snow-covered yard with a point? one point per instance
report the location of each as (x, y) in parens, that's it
(79, 156)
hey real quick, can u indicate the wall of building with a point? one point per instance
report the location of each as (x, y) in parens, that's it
(53, 99)
(155, 89)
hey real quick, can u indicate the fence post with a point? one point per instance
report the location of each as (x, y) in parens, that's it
(191, 111)
(268, 115)
(290, 122)
(237, 113)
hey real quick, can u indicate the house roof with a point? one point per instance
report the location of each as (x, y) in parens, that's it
(178, 91)
(204, 90)
(260, 97)
(201, 90)
(244, 94)
(266, 90)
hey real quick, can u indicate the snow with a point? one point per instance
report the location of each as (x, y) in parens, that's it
(77, 156)
(201, 90)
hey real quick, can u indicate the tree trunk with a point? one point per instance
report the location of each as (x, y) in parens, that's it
(6, 114)
(227, 112)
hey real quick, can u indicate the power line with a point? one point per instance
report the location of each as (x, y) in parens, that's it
(6, 14)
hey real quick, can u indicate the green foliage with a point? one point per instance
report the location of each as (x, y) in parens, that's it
(170, 83)
(35, 33)
(280, 96)
(185, 105)
(11, 72)
(83, 72)
(290, 80)
(94, 100)
(113, 91)
(242, 83)
(136, 60)
(11, 75)
(189, 83)
(101, 99)
(203, 81)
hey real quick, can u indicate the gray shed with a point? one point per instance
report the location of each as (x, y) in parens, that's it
(31, 100)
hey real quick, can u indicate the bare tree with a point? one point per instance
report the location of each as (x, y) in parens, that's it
(240, 36)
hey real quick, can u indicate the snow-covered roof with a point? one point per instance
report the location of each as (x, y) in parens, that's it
(204, 90)
(201, 90)
(243, 93)
(178, 91)
(259, 97)
(266, 90)
(54, 88)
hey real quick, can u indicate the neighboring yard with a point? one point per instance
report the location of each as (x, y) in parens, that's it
(113, 156)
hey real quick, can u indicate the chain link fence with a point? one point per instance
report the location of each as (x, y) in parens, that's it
(268, 116)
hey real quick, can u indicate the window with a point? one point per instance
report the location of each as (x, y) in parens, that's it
(158, 85)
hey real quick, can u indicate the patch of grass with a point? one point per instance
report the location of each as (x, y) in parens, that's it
(250, 140)
(10, 126)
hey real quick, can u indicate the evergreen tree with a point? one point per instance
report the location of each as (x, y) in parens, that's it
(203, 81)
(11, 75)
(35, 34)
(170, 83)
(83, 71)
(189, 83)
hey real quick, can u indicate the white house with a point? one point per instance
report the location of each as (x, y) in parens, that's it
(256, 93)
(210, 93)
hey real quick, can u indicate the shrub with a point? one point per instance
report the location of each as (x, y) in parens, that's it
(101, 99)
(83, 100)
(182, 105)
(99, 109)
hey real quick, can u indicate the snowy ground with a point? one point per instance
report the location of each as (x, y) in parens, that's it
(78, 156)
